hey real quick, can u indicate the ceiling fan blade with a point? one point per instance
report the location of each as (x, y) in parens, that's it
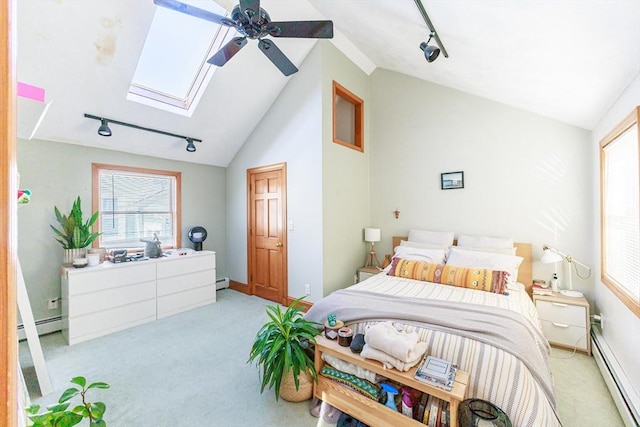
(302, 29)
(253, 5)
(228, 50)
(276, 56)
(195, 11)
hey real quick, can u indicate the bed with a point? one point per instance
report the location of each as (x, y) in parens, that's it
(496, 337)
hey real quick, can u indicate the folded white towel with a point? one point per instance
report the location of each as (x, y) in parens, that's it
(389, 361)
(352, 369)
(385, 337)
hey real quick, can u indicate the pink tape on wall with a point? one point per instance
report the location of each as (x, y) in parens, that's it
(30, 92)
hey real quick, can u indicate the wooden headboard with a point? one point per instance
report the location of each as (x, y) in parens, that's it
(525, 272)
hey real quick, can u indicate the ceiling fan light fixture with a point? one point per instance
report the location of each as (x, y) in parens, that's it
(190, 145)
(104, 130)
(430, 52)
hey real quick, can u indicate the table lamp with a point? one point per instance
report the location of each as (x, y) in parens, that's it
(372, 235)
(553, 255)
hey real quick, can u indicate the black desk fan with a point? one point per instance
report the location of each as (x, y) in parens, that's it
(197, 235)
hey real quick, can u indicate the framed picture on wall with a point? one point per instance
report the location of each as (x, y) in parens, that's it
(452, 180)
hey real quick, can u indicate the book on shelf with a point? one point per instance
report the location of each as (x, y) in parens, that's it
(435, 367)
(444, 382)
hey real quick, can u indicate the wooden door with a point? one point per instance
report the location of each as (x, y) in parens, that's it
(267, 234)
(8, 218)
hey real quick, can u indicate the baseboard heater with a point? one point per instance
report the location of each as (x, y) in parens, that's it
(625, 397)
(43, 326)
(222, 283)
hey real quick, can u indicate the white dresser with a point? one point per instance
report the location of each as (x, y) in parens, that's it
(110, 297)
(565, 321)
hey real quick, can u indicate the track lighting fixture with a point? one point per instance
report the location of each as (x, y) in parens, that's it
(104, 130)
(430, 52)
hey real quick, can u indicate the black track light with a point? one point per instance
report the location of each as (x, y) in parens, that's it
(190, 146)
(430, 52)
(104, 130)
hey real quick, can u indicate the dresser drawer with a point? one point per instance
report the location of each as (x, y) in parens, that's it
(562, 313)
(565, 335)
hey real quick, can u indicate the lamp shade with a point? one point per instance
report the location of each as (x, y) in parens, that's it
(372, 234)
(549, 257)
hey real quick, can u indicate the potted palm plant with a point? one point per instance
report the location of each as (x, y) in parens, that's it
(282, 349)
(74, 234)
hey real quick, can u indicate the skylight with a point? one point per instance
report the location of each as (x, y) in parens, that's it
(172, 71)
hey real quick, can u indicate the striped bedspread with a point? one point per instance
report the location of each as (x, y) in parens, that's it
(496, 375)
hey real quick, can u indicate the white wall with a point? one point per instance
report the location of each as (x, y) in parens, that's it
(525, 176)
(57, 173)
(290, 132)
(345, 177)
(621, 327)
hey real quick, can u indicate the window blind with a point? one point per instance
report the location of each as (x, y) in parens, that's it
(133, 206)
(621, 219)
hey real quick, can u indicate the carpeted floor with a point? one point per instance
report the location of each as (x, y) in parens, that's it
(190, 370)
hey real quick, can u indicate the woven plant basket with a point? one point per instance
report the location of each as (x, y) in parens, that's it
(288, 390)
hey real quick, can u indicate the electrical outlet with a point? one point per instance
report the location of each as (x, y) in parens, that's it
(52, 303)
(307, 289)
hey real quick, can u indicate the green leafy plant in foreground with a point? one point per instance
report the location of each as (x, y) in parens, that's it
(58, 414)
(74, 233)
(281, 346)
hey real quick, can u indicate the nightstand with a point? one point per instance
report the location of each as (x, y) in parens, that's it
(565, 321)
(366, 272)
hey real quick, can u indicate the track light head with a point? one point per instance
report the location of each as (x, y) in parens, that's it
(104, 130)
(430, 52)
(190, 145)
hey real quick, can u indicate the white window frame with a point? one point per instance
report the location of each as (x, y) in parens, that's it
(183, 105)
(177, 199)
(624, 293)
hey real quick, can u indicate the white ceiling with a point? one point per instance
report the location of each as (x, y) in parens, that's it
(568, 60)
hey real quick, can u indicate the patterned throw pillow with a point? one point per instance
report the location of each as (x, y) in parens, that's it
(463, 277)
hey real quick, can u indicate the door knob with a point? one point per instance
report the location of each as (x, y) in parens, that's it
(278, 245)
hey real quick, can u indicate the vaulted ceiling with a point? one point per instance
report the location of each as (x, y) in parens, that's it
(567, 60)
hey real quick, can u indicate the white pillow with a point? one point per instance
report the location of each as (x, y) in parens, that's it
(492, 261)
(434, 256)
(485, 241)
(504, 251)
(421, 245)
(439, 238)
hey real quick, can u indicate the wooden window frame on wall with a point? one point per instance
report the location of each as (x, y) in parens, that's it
(618, 290)
(95, 201)
(358, 104)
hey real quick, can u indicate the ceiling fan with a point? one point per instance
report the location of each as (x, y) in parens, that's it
(253, 22)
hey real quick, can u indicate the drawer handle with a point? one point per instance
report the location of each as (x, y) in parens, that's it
(560, 325)
(559, 304)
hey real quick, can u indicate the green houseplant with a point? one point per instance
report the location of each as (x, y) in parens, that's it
(59, 414)
(74, 233)
(282, 349)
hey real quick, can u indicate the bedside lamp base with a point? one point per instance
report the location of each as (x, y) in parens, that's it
(572, 294)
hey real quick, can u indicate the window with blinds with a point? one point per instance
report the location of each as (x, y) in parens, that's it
(620, 211)
(134, 204)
